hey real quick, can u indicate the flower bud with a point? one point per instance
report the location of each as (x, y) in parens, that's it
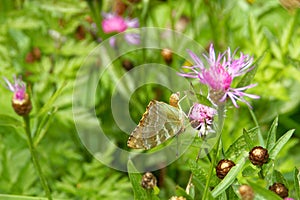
(177, 198)
(148, 181)
(279, 189)
(80, 32)
(22, 107)
(246, 192)
(258, 156)
(167, 55)
(224, 167)
(127, 64)
(20, 102)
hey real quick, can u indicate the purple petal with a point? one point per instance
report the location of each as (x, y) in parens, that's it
(132, 38)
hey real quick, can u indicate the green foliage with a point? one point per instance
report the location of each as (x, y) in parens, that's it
(41, 41)
(139, 191)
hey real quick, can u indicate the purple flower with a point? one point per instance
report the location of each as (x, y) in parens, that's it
(220, 74)
(287, 198)
(20, 102)
(18, 88)
(113, 23)
(201, 118)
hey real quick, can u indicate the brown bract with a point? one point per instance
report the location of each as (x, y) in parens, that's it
(22, 107)
(259, 156)
(223, 167)
(148, 181)
(246, 192)
(279, 189)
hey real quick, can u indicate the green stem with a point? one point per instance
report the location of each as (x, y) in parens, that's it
(221, 114)
(261, 174)
(34, 157)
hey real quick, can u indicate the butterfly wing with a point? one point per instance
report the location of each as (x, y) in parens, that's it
(159, 123)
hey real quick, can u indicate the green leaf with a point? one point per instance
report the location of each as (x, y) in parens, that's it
(43, 126)
(230, 177)
(263, 193)
(181, 192)
(250, 171)
(201, 187)
(287, 34)
(6, 120)
(135, 179)
(52, 100)
(239, 145)
(231, 194)
(19, 197)
(279, 178)
(280, 143)
(248, 77)
(272, 134)
(297, 182)
(248, 140)
(203, 100)
(198, 172)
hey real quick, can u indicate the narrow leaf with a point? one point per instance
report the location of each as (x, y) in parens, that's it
(52, 100)
(297, 182)
(287, 34)
(263, 193)
(279, 178)
(201, 188)
(19, 197)
(6, 120)
(272, 134)
(239, 145)
(280, 143)
(249, 141)
(230, 177)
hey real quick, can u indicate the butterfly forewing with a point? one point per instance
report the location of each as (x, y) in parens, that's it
(159, 123)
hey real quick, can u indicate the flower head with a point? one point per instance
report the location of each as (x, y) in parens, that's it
(113, 23)
(220, 74)
(18, 88)
(20, 101)
(201, 118)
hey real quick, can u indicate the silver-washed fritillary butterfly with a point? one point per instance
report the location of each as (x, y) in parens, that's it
(160, 122)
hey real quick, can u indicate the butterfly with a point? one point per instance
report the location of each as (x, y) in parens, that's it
(160, 122)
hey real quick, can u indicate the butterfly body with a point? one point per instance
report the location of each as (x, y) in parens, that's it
(159, 123)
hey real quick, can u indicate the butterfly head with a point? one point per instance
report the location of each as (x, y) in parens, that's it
(174, 99)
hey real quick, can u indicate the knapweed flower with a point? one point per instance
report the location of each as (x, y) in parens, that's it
(20, 101)
(201, 118)
(113, 23)
(219, 75)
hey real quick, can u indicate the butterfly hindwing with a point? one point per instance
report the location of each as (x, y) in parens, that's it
(159, 123)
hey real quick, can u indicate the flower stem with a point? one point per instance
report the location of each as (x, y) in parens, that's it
(221, 114)
(261, 174)
(34, 157)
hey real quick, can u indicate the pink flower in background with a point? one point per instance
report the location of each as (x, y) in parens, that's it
(201, 118)
(113, 23)
(220, 74)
